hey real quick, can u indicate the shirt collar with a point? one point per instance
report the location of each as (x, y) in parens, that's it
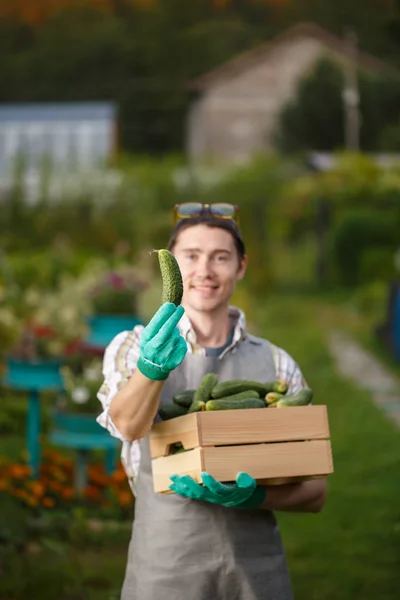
(235, 314)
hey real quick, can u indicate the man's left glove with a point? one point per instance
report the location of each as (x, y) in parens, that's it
(243, 494)
(162, 348)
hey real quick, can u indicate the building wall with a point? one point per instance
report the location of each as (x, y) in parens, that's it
(70, 136)
(237, 118)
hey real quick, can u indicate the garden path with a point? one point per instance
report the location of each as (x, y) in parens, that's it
(365, 370)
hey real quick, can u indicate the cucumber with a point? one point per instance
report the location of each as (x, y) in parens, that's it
(235, 386)
(240, 396)
(172, 290)
(177, 448)
(197, 406)
(279, 386)
(184, 398)
(207, 384)
(171, 411)
(301, 398)
(273, 397)
(225, 404)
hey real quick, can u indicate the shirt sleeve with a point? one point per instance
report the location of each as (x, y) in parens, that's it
(288, 370)
(119, 363)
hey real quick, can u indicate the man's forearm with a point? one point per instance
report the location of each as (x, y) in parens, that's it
(306, 496)
(134, 407)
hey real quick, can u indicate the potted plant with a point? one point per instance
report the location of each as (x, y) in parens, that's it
(81, 382)
(50, 332)
(114, 303)
(10, 329)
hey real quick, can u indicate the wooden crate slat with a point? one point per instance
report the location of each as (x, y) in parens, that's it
(261, 461)
(252, 426)
(275, 462)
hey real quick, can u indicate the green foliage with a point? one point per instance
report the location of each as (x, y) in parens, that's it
(370, 300)
(355, 185)
(315, 120)
(257, 188)
(12, 413)
(13, 525)
(364, 242)
(67, 555)
(278, 209)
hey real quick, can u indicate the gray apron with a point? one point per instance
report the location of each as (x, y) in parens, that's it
(183, 549)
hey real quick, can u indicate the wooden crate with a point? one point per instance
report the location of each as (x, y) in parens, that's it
(274, 445)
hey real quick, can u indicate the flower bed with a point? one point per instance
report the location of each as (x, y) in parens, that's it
(105, 496)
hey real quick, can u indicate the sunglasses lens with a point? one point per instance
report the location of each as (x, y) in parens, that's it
(189, 209)
(222, 209)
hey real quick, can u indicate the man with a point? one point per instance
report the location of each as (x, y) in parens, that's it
(211, 541)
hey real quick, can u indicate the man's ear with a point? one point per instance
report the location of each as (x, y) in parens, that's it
(242, 268)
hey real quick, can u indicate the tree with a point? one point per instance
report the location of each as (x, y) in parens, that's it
(314, 119)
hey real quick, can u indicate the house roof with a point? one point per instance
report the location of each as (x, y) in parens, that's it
(58, 111)
(251, 58)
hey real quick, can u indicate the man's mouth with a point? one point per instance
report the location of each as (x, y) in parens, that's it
(205, 289)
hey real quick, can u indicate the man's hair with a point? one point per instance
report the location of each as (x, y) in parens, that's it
(206, 219)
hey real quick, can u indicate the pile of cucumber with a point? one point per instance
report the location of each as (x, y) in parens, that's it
(233, 394)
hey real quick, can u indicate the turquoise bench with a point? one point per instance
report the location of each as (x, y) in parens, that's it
(83, 434)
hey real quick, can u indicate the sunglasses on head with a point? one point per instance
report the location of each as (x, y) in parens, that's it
(219, 210)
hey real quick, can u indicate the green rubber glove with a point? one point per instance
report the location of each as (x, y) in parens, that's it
(243, 494)
(162, 348)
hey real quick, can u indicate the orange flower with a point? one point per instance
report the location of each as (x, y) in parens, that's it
(67, 493)
(118, 476)
(92, 492)
(98, 477)
(19, 471)
(48, 502)
(55, 486)
(37, 488)
(125, 498)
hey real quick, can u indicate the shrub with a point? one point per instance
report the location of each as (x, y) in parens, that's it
(362, 241)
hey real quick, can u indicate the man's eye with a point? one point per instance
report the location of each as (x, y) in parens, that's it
(221, 258)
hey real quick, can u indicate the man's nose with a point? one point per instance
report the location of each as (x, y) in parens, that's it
(204, 267)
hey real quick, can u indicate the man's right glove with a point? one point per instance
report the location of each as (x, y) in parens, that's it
(162, 348)
(244, 493)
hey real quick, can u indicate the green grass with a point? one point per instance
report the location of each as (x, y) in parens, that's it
(352, 548)
(58, 567)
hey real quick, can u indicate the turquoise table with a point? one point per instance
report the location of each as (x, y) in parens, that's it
(33, 377)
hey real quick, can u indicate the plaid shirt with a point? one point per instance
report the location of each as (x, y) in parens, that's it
(120, 361)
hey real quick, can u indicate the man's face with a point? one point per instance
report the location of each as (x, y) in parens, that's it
(210, 267)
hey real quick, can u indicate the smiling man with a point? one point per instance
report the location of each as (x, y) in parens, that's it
(210, 541)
